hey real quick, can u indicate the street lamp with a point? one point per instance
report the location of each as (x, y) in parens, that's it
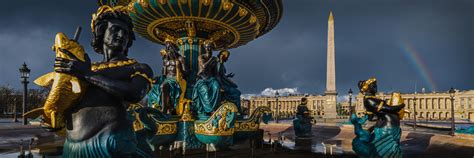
(451, 94)
(14, 109)
(278, 107)
(352, 109)
(414, 111)
(25, 73)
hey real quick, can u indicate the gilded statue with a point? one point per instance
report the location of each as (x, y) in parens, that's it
(207, 90)
(382, 139)
(230, 91)
(169, 89)
(98, 125)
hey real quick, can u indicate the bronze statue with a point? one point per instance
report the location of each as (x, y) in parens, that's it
(383, 138)
(207, 90)
(302, 123)
(169, 88)
(229, 87)
(98, 125)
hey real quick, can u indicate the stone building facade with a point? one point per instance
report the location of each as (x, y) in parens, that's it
(288, 104)
(432, 106)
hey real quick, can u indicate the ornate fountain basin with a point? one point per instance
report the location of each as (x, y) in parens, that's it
(219, 128)
(248, 128)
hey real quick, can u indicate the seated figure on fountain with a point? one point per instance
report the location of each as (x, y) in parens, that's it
(231, 93)
(382, 139)
(168, 89)
(302, 124)
(207, 90)
(98, 125)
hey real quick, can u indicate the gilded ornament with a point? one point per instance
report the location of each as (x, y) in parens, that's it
(131, 7)
(166, 128)
(180, 42)
(190, 41)
(208, 25)
(253, 19)
(227, 5)
(144, 76)
(252, 123)
(367, 83)
(144, 3)
(190, 28)
(162, 2)
(206, 127)
(112, 65)
(242, 12)
(206, 2)
(218, 35)
(107, 65)
(257, 27)
(104, 9)
(187, 112)
(165, 35)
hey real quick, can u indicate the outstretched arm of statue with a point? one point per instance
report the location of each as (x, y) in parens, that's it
(230, 75)
(392, 108)
(131, 91)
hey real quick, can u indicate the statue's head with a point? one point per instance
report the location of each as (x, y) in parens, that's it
(304, 100)
(113, 28)
(224, 55)
(170, 46)
(208, 46)
(368, 86)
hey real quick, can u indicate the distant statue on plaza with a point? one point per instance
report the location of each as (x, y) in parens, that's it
(98, 125)
(207, 90)
(302, 123)
(382, 139)
(170, 86)
(231, 93)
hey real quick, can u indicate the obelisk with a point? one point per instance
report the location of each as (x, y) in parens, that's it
(331, 94)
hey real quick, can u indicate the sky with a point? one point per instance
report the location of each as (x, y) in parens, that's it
(402, 43)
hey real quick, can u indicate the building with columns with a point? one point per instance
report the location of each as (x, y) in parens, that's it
(432, 106)
(288, 104)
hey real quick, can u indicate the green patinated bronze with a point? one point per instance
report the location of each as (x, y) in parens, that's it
(383, 138)
(302, 123)
(199, 93)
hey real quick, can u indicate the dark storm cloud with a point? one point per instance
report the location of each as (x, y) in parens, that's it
(369, 37)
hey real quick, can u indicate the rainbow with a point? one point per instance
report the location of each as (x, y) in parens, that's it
(414, 56)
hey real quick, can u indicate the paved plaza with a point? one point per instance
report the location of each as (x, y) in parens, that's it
(329, 139)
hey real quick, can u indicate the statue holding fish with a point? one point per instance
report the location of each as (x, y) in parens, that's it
(91, 99)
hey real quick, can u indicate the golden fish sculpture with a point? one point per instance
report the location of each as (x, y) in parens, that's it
(396, 99)
(65, 89)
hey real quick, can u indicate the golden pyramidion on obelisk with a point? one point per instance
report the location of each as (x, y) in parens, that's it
(331, 17)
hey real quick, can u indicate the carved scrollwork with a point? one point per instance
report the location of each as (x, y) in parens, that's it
(221, 123)
(253, 123)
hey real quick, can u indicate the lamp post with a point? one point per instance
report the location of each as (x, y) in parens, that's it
(352, 109)
(25, 73)
(414, 111)
(14, 110)
(278, 107)
(451, 94)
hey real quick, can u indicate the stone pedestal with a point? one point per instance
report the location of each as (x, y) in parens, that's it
(330, 105)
